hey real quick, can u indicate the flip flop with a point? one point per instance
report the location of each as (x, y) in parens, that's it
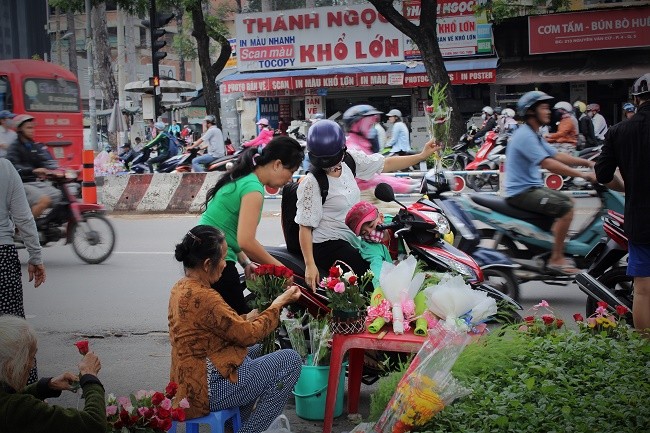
(565, 269)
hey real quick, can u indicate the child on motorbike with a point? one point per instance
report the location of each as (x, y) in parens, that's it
(363, 219)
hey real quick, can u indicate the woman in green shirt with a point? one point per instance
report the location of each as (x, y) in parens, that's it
(234, 205)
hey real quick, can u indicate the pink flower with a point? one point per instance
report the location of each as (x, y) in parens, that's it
(591, 322)
(339, 287)
(166, 404)
(139, 395)
(601, 311)
(124, 401)
(542, 304)
(184, 404)
(523, 328)
(430, 318)
(111, 410)
(408, 308)
(142, 411)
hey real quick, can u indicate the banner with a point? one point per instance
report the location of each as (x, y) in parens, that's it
(324, 36)
(584, 31)
(460, 31)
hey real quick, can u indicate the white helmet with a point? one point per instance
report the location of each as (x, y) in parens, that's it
(508, 112)
(563, 105)
(394, 112)
(159, 126)
(487, 109)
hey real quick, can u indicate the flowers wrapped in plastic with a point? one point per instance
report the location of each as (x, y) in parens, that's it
(460, 306)
(400, 285)
(439, 114)
(427, 386)
(295, 333)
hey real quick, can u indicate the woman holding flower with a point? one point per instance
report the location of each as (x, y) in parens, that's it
(211, 359)
(22, 408)
(234, 205)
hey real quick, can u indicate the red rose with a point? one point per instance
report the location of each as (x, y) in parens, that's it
(332, 282)
(170, 390)
(429, 109)
(125, 417)
(529, 319)
(166, 424)
(559, 323)
(178, 414)
(82, 346)
(578, 317)
(118, 425)
(288, 273)
(134, 419)
(621, 310)
(352, 280)
(154, 423)
(548, 319)
(163, 413)
(148, 413)
(603, 304)
(334, 272)
(157, 398)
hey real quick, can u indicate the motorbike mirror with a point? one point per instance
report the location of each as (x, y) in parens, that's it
(384, 192)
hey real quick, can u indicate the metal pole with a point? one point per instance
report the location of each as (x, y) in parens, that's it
(154, 61)
(121, 78)
(92, 109)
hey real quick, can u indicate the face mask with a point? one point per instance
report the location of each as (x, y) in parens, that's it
(375, 236)
(483, 116)
(371, 134)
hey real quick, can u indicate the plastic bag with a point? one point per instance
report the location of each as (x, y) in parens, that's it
(279, 425)
(427, 386)
(400, 286)
(296, 335)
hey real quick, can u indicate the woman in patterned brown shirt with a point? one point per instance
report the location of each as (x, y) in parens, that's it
(211, 360)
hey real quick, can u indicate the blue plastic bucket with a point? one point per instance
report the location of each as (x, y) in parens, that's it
(311, 392)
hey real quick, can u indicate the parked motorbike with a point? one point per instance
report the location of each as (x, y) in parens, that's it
(526, 237)
(606, 279)
(498, 269)
(84, 225)
(460, 154)
(487, 158)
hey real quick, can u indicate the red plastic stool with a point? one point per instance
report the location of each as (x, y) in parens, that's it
(357, 344)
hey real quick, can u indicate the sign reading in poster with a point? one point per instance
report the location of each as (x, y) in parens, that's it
(594, 30)
(460, 31)
(321, 37)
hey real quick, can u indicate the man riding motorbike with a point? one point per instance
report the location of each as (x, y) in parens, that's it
(526, 153)
(162, 143)
(32, 161)
(489, 122)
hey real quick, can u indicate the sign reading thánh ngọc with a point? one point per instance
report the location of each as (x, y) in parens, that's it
(593, 30)
(324, 36)
(460, 31)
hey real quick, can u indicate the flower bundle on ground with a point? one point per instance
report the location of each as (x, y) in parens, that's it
(346, 290)
(603, 322)
(542, 320)
(145, 411)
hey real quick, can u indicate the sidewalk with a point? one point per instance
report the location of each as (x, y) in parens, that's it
(134, 362)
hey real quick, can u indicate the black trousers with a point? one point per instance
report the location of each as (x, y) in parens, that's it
(231, 289)
(328, 252)
(156, 160)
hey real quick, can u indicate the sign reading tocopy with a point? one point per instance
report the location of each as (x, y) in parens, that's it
(595, 30)
(460, 31)
(303, 38)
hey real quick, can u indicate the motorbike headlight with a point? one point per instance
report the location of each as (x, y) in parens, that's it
(442, 223)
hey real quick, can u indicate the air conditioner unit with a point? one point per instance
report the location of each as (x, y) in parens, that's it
(239, 104)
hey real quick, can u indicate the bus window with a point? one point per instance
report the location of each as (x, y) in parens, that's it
(6, 102)
(51, 95)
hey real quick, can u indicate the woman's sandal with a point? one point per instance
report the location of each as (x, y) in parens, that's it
(565, 269)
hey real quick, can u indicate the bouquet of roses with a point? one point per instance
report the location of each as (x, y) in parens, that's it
(345, 290)
(268, 282)
(145, 411)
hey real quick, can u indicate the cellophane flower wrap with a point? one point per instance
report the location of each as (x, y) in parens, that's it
(439, 114)
(295, 332)
(145, 411)
(428, 385)
(268, 282)
(457, 304)
(400, 284)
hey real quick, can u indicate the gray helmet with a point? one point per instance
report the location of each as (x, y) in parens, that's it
(642, 85)
(210, 119)
(529, 99)
(353, 114)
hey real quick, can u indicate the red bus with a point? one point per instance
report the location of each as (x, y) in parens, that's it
(49, 93)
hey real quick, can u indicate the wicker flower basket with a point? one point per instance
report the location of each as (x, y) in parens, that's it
(348, 321)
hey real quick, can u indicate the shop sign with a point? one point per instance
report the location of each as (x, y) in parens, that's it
(594, 30)
(313, 105)
(232, 60)
(460, 31)
(476, 76)
(269, 108)
(324, 36)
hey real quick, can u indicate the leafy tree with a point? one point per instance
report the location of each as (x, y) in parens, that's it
(499, 10)
(425, 37)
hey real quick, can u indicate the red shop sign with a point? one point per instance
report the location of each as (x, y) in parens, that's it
(457, 77)
(584, 31)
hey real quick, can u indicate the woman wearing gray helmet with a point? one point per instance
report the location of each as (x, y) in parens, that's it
(324, 237)
(399, 140)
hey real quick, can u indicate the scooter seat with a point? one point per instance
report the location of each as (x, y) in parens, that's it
(499, 204)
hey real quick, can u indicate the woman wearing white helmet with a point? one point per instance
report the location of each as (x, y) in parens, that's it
(265, 135)
(507, 122)
(566, 137)
(489, 122)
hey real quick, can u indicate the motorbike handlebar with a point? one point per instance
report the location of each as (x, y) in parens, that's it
(392, 225)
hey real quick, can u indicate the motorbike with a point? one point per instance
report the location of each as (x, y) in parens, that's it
(498, 269)
(139, 163)
(460, 154)
(526, 236)
(487, 158)
(84, 225)
(225, 162)
(606, 279)
(184, 164)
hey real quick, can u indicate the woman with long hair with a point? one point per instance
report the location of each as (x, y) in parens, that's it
(234, 205)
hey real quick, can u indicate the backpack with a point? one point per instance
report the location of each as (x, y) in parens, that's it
(288, 206)
(174, 145)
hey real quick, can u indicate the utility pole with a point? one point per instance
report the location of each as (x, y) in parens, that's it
(121, 78)
(92, 109)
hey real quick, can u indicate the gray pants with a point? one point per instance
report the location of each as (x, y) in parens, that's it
(36, 190)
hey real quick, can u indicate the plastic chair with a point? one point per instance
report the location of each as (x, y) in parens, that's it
(216, 421)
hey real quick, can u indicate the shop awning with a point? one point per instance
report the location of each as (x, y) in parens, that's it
(468, 71)
(620, 68)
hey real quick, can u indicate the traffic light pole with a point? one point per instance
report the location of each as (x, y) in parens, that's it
(154, 60)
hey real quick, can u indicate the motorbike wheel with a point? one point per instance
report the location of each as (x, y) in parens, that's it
(507, 246)
(617, 280)
(453, 164)
(502, 280)
(93, 239)
(483, 182)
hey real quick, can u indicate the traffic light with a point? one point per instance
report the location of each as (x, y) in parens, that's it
(154, 81)
(157, 21)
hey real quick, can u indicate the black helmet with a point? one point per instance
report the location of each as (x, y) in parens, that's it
(325, 143)
(353, 114)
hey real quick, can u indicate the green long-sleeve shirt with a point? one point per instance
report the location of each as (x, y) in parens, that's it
(26, 412)
(162, 141)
